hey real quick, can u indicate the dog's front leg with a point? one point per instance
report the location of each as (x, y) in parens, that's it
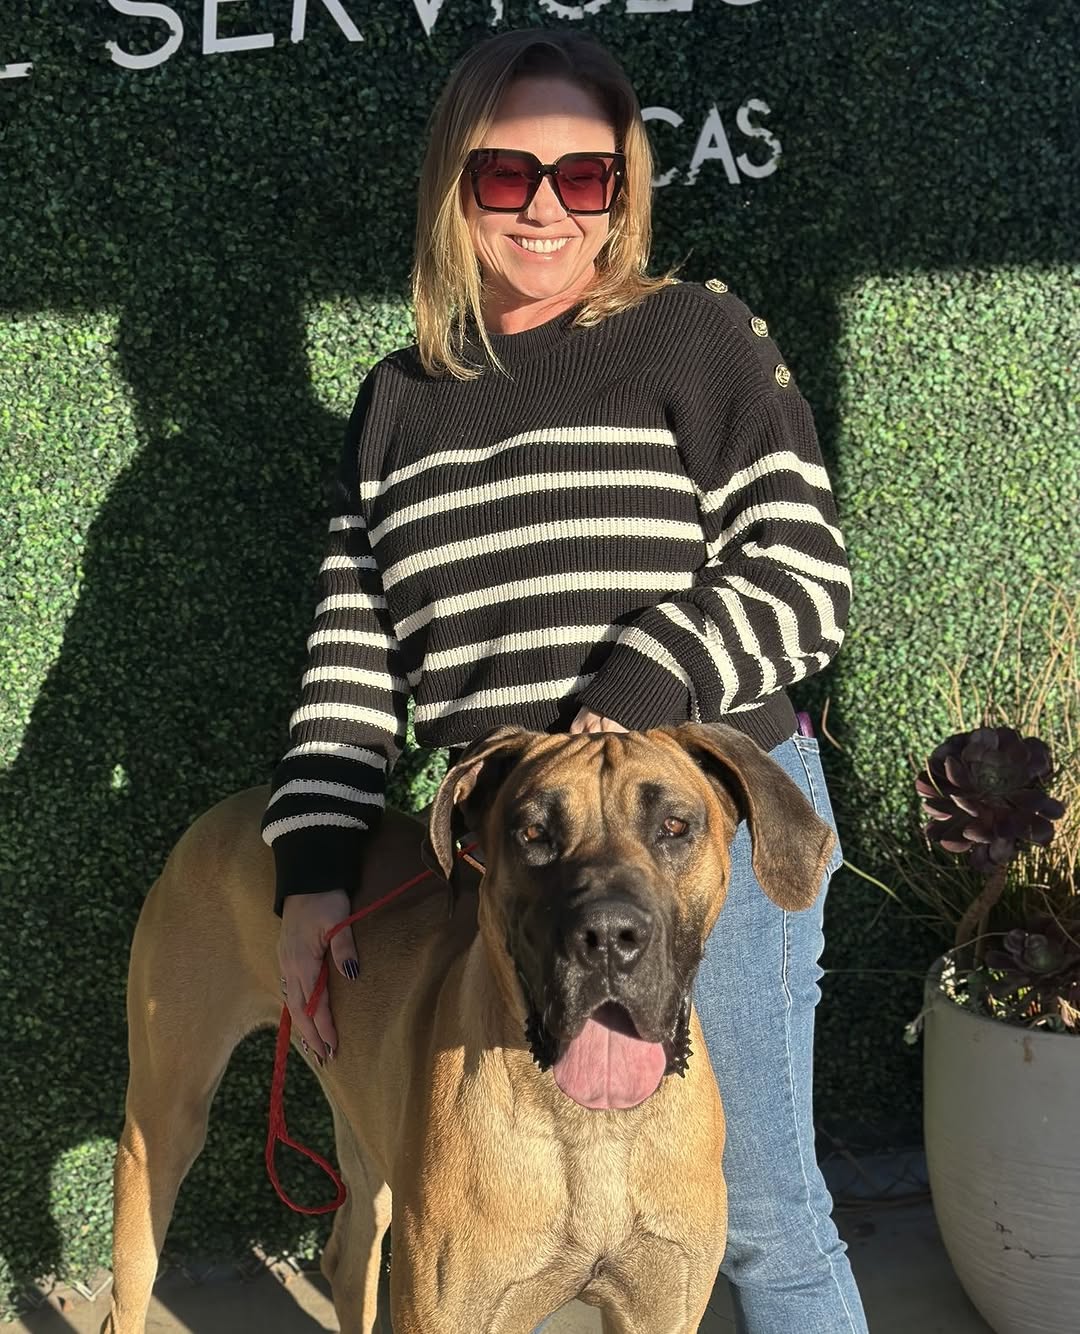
(618, 1322)
(352, 1260)
(664, 1291)
(439, 1288)
(451, 1318)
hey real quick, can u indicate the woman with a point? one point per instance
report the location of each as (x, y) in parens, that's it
(585, 500)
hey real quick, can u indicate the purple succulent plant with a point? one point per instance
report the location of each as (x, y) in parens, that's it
(984, 793)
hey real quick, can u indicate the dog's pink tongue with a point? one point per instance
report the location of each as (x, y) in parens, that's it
(607, 1065)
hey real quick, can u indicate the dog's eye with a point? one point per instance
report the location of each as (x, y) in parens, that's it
(533, 833)
(674, 827)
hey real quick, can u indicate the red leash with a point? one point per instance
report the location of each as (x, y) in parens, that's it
(277, 1129)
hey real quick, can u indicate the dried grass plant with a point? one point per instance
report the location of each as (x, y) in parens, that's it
(1033, 684)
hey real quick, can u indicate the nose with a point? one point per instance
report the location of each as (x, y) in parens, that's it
(610, 934)
(545, 206)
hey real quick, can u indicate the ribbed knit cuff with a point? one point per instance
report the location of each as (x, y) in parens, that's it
(312, 861)
(639, 694)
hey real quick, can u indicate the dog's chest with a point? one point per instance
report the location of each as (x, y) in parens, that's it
(575, 1190)
(599, 1208)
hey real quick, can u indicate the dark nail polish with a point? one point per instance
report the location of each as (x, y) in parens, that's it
(352, 969)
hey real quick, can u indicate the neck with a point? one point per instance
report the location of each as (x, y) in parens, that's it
(508, 313)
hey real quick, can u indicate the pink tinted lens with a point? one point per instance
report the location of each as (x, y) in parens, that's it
(586, 183)
(503, 180)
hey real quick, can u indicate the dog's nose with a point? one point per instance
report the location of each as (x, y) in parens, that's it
(611, 934)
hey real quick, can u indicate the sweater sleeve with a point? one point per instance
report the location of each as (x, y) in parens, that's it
(770, 603)
(348, 727)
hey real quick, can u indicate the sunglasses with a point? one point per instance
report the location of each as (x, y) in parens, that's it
(505, 180)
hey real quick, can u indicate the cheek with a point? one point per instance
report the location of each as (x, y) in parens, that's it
(712, 884)
(698, 880)
(491, 917)
(488, 229)
(594, 233)
(486, 232)
(525, 930)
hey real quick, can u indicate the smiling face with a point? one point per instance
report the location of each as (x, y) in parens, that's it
(538, 262)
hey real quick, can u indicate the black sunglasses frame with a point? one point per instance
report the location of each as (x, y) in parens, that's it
(478, 156)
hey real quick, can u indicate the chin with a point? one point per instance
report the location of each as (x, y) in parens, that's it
(528, 281)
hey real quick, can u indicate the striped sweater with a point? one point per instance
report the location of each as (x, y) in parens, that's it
(638, 522)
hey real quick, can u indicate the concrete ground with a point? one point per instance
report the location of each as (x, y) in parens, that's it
(903, 1273)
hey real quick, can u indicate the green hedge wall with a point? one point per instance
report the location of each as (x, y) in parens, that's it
(198, 259)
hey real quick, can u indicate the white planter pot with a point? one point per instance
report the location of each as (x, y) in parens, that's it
(1001, 1111)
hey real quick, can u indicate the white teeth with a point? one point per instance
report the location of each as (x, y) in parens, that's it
(541, 247)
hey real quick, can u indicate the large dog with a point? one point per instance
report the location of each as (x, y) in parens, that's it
(505, 1074)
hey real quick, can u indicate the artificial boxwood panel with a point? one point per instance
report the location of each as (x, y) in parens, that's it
(199, 257)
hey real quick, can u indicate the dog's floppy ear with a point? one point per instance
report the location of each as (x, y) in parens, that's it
(791, 843)
(470, 784)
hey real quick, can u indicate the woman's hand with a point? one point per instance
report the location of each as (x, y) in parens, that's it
(587, 721)
(306, 920)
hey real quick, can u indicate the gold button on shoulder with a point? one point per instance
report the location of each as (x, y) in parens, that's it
(759, 327)
(715, 285)
(783, 376)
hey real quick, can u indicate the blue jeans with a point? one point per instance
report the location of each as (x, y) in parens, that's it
(755, 996)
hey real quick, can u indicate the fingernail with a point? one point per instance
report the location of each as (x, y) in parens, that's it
(352, 969)
(329, 1052)
(303, 1043)
(320, 1060)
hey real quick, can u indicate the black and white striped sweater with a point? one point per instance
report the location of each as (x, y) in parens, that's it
(639, 522)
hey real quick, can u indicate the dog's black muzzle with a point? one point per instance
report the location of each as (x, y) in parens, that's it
(604, 941)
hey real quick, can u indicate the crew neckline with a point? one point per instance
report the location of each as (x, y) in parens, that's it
(513, 349)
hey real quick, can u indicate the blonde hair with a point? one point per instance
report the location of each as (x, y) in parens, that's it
(446, 278)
